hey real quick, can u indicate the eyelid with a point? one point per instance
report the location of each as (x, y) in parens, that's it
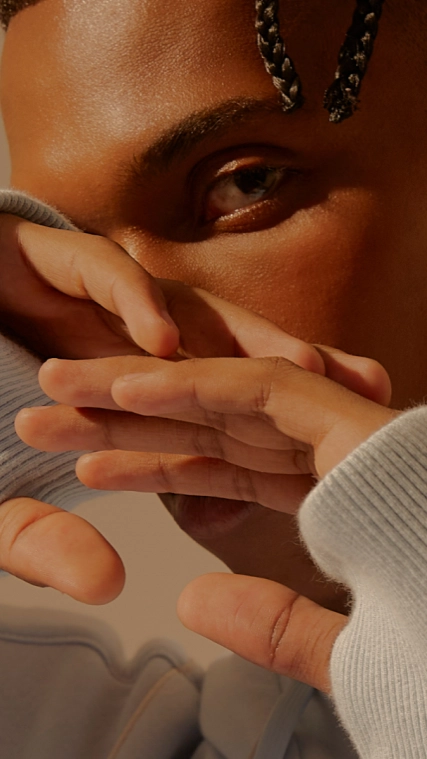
(238, 168)
(206, 174)
(270, 192)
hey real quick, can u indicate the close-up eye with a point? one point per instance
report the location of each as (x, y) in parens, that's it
(238, 189)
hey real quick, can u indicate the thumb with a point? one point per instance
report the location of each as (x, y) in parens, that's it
(264, 622)
(47, 546)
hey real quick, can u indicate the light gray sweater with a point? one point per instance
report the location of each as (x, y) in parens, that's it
(67, 692)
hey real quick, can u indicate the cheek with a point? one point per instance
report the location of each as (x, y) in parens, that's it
(300, 275)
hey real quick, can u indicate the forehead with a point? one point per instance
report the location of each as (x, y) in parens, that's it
(172, 55)
(161, 46)
(125, 71)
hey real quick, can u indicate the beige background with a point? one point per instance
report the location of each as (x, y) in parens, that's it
(159, 559)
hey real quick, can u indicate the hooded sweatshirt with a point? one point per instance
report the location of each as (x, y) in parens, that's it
(66, 690)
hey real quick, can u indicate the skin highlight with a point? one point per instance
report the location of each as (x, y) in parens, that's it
(335, 257)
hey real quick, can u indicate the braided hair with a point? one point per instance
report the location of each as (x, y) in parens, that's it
(342, 97)
(273, 52)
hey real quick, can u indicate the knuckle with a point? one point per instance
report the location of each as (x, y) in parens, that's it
(8, 532)
(164, 478)
(103, 246)
(100, 249)
(210, 418)
(214, 447)
(275, 367)
(243, 484)
(327, 423)
(215, 421)
(303, 461)
(17, 516)
(283, 657)
(293, 652)
(98, 427)
(108, 433)
(199, 443)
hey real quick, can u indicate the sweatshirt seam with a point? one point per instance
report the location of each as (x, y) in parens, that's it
(121, 678)
(185, 670)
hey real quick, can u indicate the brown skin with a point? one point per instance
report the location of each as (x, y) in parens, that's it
(335, 256)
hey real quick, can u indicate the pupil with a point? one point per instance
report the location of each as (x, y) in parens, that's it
(252, 181)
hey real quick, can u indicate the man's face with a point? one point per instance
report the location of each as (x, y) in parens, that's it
(155, 124)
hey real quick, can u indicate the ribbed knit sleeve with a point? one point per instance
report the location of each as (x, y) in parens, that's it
(23, 205)
(365, 525)
(24, 471)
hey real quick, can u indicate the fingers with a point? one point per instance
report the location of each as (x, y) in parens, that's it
(363, 376)
(229, 330)
(63, 428)
(304, 406)
(46, 546)
(188, 475)
(211, 327)
(87, 383)
(262, 402)
(264, 622)
(100, 270)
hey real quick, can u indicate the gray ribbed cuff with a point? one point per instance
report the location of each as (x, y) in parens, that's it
(369, 514)
(24, 471)
(31, 209)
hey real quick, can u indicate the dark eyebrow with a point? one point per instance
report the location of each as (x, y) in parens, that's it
(181, 138)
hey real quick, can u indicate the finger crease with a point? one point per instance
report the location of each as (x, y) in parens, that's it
(279, 632)
(263, 399)
(164, 476)
(108, 433)
(244, 485)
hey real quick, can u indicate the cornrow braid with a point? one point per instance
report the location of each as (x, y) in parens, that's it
(273, 52)
(341, 99)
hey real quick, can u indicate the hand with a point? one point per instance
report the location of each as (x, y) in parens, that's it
(273, 408)
(265, 415)
(76, 295)
(257, 402)
(253, 423)
(98, 286)
(228, 329)
(320, 423)
(70, 294)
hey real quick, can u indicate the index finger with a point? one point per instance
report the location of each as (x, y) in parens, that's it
(91, 267)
